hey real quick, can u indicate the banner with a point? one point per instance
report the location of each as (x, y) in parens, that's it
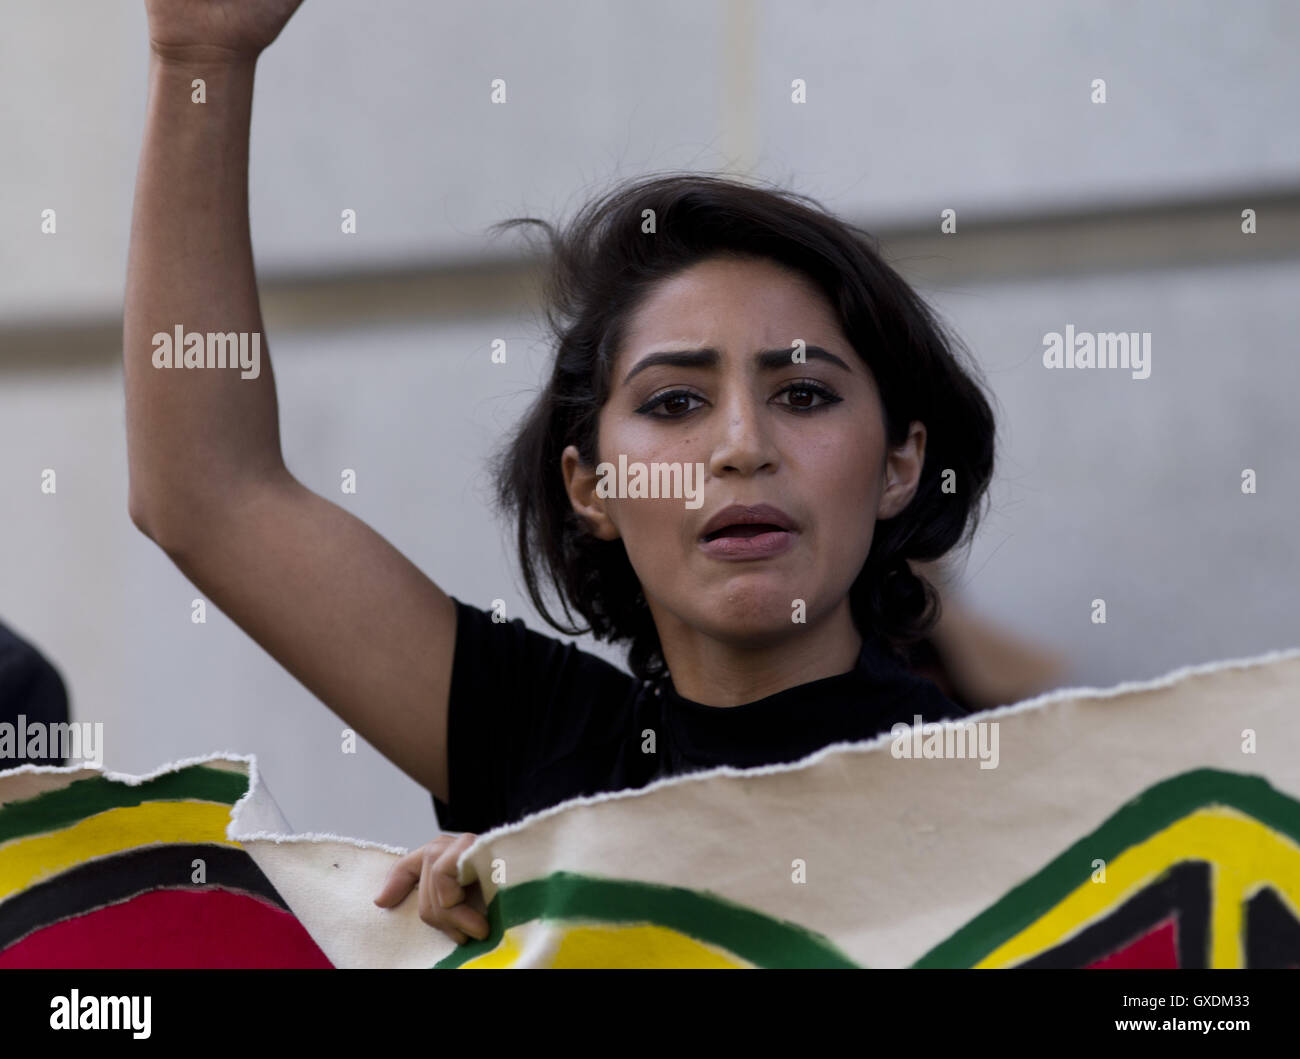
(1148, 825)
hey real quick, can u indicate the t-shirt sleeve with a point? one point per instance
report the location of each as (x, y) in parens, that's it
(528, 716)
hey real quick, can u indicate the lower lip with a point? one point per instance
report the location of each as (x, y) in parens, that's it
(762, 546)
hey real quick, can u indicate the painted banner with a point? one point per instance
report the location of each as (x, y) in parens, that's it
(1148, 825)
(107, 871)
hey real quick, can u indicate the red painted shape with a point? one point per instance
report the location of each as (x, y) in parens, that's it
(1157, 948)
(173, 929)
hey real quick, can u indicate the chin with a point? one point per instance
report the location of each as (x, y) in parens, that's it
(752, 615)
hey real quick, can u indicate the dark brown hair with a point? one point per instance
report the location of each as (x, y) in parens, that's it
(603, 264)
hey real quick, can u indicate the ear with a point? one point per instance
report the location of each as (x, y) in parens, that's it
(580, 483)
(903, 472)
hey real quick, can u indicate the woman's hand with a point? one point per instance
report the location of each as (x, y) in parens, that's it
(459, 912)
(215, 30)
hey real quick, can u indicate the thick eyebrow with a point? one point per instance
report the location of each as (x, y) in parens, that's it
(768, 359)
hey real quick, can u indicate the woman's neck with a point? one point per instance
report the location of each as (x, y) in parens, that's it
(715, 672)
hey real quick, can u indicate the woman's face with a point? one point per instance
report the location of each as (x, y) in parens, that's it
(707, 375)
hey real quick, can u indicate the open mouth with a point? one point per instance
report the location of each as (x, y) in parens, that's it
(749, 529)
(745, 532)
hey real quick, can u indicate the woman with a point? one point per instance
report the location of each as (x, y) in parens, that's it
(804, 413)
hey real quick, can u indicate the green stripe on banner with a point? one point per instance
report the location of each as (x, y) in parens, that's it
(1151, 811)
(82, 798)
(565, 896)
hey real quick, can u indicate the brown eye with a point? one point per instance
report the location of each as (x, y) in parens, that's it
(807, 397)
(672, 404)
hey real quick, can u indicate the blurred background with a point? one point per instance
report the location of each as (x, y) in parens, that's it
(1117, 216)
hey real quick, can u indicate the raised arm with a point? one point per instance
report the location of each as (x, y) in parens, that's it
(355, 621)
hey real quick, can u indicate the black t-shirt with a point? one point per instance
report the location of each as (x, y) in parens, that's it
(533, 721)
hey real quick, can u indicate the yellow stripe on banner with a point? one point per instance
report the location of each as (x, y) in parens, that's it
(590, 945)
(28, 861)
(506, 954)
(1243, 853)
(639, 946)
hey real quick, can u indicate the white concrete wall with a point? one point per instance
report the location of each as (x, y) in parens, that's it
(384, 108)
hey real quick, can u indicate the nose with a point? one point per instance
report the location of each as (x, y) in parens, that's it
(743, 444)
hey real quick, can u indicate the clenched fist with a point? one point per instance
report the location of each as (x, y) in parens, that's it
(215, 30)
